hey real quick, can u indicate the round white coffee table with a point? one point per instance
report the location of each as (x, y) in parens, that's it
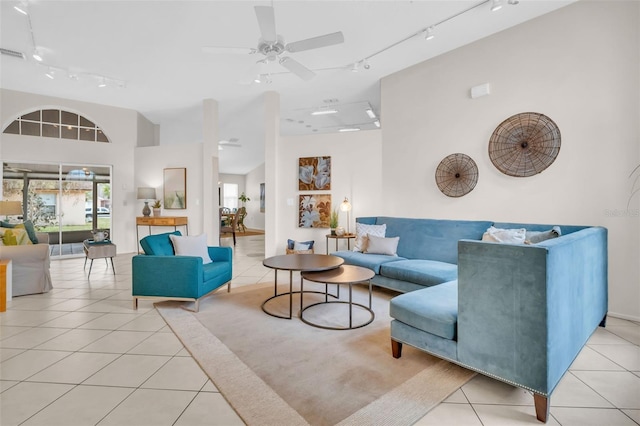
(344, 275)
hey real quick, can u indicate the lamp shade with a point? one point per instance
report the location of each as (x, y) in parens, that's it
(346, 205)
(10, 208)
(146, 193)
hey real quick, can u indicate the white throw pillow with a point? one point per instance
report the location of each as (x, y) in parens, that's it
(381, 245)
(511, 236)
(300, 246)
(191, 246)
(362, 230)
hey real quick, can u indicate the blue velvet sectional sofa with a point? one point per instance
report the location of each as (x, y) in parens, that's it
(518, 313)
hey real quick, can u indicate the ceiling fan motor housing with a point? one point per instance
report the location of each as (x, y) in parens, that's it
(271, 49)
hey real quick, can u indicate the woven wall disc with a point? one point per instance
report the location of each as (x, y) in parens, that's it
(524, 144)
(456, 175)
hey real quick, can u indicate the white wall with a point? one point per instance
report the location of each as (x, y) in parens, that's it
(580, 66)
(355, 173)
(121, 127)
(150, 163)
(255, 218)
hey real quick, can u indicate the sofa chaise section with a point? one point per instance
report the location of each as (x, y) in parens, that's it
(522, 313)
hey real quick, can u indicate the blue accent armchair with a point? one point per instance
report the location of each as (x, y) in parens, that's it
(159, 273)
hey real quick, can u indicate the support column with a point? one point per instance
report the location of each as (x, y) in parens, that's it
(209, 202)
(271, 148)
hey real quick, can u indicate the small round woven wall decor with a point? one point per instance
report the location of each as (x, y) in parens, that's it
(456, 175)
(524, 144)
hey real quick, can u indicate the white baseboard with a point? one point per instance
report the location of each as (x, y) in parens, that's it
(623, 316)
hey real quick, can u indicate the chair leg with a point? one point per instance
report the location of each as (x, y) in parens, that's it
(234, 238)
(135, 303)
(396, 349)
(229, 287)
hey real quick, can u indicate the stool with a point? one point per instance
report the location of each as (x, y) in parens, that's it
(93, 250)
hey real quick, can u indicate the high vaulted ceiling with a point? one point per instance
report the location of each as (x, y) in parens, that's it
(150, 56)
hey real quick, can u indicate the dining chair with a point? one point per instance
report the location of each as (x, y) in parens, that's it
(231, 229)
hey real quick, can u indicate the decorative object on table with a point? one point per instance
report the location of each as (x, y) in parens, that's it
(314, 173)
(157, 204)
(243, 197)
(345, 206)
(146, 194)
(10, 208)
(175, 188)
(456, 175)
(524, 144)
(315, 211)
(333, 221)
(340, 231)
(262, 198)
(100, 235)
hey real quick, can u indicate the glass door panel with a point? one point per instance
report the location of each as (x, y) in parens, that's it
(65, 201)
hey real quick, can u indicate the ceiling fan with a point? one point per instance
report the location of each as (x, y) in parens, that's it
(232, 143)
(272, 46)
(7, 168)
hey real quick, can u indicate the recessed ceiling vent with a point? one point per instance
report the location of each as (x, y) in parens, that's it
(13, 53)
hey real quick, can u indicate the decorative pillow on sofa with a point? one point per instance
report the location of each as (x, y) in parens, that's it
(362, 232)
(534, 237)
(191, 246)
(381, 245)
(499, 235)
(14, 237)
(26, 225)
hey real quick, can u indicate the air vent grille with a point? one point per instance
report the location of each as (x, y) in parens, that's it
(13, 53)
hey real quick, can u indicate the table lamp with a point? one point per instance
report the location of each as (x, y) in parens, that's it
(346, 207)
(10, 208)
(146, 194)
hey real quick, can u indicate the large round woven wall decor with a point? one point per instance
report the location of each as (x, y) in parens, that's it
(524, 144)
(456, 175)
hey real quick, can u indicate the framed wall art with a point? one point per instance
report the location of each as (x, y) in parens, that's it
(314, 210)
(314, 174)
(175, 188)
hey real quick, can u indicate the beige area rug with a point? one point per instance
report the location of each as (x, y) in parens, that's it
(285, 372)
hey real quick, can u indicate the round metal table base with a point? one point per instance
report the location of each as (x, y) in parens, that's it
(291, 293)
(351, 327)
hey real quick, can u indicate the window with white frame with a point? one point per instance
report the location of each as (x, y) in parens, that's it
(230, 191)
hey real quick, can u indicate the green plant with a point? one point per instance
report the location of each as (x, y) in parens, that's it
(243, 197)
(333, 219)
(156, 204)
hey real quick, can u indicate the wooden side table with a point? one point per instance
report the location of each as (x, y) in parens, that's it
(6, 289)
(347, 237)
(150, 221)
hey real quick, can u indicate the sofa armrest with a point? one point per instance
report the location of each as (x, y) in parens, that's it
(43, 237)
(177, 276)
(525, 311)
(221, 254)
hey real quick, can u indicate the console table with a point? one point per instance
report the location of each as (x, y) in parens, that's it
(150, 221)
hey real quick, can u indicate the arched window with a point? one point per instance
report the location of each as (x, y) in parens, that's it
(56, 123)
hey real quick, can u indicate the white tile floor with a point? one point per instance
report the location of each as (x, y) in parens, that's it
(79, 355)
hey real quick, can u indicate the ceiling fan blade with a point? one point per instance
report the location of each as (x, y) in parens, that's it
(316, 42)
(229, 50)
(267, 22)
(297, 68)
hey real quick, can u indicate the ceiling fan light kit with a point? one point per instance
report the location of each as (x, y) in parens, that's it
(272, 45)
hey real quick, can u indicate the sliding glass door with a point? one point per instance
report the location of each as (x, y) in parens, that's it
(66, 201)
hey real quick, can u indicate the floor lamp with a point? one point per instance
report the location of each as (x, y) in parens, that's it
(346, 207)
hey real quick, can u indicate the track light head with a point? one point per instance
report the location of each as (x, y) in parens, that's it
(36, 56)
(429, 33)
(496, 5)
